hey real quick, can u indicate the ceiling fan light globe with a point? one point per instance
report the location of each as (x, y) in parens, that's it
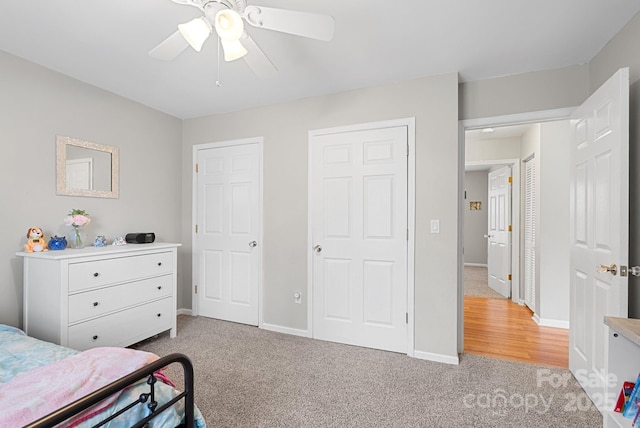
(229, 24)
(195, 32)
(233, 49)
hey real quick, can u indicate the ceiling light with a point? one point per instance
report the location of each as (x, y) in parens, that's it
(195, 32)
(233, 49)
(229, 27)
(487, 131)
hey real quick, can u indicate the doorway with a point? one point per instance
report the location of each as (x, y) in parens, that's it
(508, 129)
(477, 222)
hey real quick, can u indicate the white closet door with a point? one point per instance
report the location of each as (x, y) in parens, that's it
(358, 214)
(530, 234)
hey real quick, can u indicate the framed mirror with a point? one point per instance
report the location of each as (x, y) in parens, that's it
(84, 168)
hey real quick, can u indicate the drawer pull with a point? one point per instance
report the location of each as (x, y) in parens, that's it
(159, 315)
(95, 337)
(95, 303)
(159, 263)
(96, 274)
(159, 287)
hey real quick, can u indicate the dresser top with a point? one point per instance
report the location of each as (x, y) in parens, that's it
(72, 253)
(628, 327)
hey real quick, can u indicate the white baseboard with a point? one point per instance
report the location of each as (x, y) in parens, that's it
(285, 330)
(184, 311)
(550, 323)
(438, 358)
(476, 264)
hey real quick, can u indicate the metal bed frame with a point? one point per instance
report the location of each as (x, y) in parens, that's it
(148, 371)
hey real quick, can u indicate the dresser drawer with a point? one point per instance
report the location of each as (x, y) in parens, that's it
(86, 275)
(123, 328)
(98, 302)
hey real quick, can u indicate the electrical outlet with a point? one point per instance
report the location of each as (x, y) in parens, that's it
(297, 297)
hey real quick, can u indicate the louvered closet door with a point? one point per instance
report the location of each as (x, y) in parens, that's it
(530, 234)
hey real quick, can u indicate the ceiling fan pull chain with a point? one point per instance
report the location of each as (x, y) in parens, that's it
(218, 82)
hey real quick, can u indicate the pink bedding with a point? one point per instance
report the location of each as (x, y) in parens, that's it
(36, 393)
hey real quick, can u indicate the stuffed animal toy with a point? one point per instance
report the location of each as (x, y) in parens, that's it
(35, 241)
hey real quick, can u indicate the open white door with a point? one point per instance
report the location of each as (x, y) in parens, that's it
(499, 228)
(599, 228)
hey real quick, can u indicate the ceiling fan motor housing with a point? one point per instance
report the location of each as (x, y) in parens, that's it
(237, 5)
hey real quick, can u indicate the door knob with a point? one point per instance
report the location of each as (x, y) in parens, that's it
(253, 244)
(317, 249)
(612, 268)
(488, 236)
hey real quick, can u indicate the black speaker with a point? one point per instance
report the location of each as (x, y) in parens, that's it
(140, 238)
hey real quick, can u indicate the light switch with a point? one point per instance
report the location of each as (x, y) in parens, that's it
(435, 226)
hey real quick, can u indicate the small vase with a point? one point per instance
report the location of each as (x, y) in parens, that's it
(77, 238)
(100, 241)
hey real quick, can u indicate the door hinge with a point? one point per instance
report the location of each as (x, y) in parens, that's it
(510, 179)
(406, 317)
(509, 277)
(196, 167)
(196, 289)
(196, 228)
(510, 229)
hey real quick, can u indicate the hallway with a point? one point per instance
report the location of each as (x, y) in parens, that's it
(500, 328)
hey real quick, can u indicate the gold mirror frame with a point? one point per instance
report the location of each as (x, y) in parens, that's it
(61, 168)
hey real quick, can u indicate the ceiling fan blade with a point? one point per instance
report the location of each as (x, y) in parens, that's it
(170, 48)
(256, 58)
(304, 24)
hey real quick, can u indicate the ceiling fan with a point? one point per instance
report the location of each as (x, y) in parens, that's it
(225, 17)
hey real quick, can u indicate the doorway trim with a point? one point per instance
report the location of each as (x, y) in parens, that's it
(485, 122)
(410, 123)
(194, 217)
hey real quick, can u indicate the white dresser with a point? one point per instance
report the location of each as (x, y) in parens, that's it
(623, 364)
(109, 296)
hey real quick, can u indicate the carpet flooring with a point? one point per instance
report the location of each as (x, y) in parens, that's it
(249, 377)
(475, 283)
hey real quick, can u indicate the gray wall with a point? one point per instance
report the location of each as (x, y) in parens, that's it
(492, 149)
(536, 91)
(552, 252)
(36, 104)
(548, 143)
(475, 221)
(433, 101)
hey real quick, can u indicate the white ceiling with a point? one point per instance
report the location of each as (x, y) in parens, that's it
(105, 43)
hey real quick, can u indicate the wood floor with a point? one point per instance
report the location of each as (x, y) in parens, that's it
(499, 328)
